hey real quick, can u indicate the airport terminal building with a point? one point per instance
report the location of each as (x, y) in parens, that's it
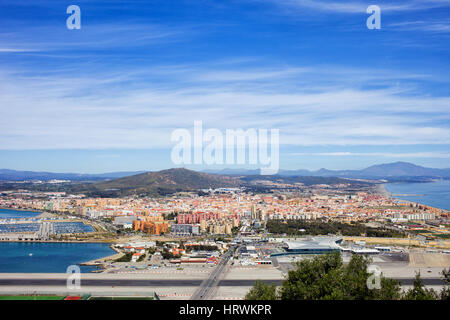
(312, 246)
(322, 245)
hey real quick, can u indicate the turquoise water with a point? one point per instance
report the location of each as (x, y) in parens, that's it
(49, 257)
(8, 214)
(435, 194)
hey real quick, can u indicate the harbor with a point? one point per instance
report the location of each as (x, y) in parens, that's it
(42, 226)
(40, 230)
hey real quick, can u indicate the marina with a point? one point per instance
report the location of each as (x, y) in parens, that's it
(15, 227)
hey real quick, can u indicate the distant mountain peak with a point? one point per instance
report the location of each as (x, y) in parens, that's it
(165, 182)
(377, 171)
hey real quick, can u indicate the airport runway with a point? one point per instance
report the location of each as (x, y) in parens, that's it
(168, 282)
(213, 281)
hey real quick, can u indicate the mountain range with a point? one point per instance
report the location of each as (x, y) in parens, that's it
(15, 175)
(390, 171)
(170, 181)
(381, 171)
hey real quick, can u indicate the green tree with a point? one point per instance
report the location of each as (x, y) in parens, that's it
(141, 258)
(125, 258)
(446, 274)
(166, 254)
(325, 277)
(419, 292)
(262, 291)
(315, 278)
(355, 277)
(445, 293)
(390, 290)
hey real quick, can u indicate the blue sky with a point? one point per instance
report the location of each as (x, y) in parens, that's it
(107, 97)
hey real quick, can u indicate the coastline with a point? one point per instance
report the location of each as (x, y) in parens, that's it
(22, 209)
(112, 241)
(98, 254)
(382, 190)
(42, 214)
(102, 260)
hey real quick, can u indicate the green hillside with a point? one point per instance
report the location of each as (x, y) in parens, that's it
(160, 183)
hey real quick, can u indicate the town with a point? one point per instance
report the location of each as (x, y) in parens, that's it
(231, 234)
(226, 211)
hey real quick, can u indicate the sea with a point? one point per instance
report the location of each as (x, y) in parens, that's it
(17, 214)
(435, 194)
(47, 257)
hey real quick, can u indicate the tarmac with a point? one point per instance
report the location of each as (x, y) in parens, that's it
(181, 283)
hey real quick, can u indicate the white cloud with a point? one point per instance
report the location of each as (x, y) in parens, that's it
(47, 38)
(423, 25)
(249, 74)
(360, 7)
(140, 108)
(436, 155)
(13, 50)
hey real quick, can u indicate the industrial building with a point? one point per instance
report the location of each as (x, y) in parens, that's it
(321, 245)
(311, 246)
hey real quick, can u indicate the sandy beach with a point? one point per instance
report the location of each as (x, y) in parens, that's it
(46, 215)
(381, 189)
(99, 261)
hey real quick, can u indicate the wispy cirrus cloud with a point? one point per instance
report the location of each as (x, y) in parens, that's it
(247, 75)
(139, 108)
(13, 50)
(441, 26)
(353, 7)
(45, 38)
(435, 155)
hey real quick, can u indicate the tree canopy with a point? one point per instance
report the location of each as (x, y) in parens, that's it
(326, 277)
(300, 227)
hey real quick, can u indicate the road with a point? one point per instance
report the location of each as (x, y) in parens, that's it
(206, 288)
